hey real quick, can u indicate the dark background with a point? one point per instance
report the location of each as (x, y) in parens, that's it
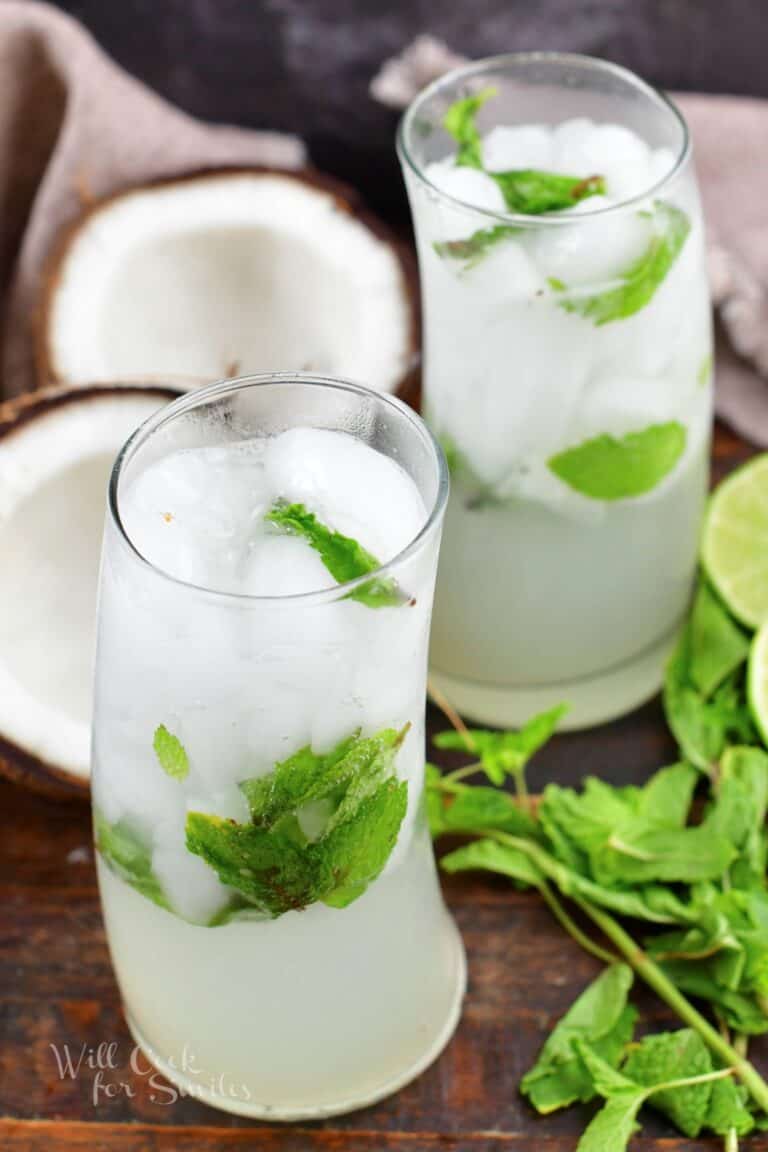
(304, 65)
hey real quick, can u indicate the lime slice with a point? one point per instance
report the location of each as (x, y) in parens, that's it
(757, 681)
(734, 548)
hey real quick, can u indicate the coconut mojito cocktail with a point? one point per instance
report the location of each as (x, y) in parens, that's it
(568, 376)
(267, 878)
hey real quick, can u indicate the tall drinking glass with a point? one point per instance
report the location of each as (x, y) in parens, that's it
(266, 872)
(567, 374)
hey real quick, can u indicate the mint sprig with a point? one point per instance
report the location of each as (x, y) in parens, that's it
(343, 556)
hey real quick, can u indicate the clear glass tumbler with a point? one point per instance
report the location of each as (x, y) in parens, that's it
(567, 373)
(281, 945)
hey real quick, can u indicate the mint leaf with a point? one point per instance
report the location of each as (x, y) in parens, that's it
(171, 754)
(274, 863)
(490, 856)
(344, 558)
(304, 776)
(621, 468)
(125, 851)
(477, 809)
(727, 1109)
(638, 283)
(667, 855)
(738, 1009)
(611, 1129)
(268, 867)
(602, 1018)
(459, 122)
(532, 192)
(741, 807)
(717, 645)
(669, 1056)
(505, 753)
(472, 249)
(666, 798)
(356, 848)
(702, 725)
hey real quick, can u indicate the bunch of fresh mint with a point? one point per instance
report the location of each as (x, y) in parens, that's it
(683, 858)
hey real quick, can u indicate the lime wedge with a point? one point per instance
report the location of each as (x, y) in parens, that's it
(757, 681)
(734, 549)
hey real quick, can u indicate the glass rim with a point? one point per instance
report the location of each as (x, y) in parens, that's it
(189, 400)
(506, 60)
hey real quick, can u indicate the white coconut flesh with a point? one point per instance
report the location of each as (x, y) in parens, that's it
(54, 471)
(225, 275)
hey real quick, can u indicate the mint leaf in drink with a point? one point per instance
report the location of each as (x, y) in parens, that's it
(343, 556)
(171, 754)
(505, 754)
(323, 827)
(718, 646)
(704, 371)
(532, 192)
(305, 776)
(602, 1018)
(460, 122)
(128, 854)
(638, 284)
(269, 868)
(621, 468)
(472, 249)
(356, 848)
(671, 1056)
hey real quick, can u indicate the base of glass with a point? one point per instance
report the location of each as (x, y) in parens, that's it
(593, 700)
(347, 1100)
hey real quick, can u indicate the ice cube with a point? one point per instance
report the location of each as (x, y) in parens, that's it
(594, 250)
(469, 185)
(661, 163)
(356, 490)
(192, 887)
(284, 566)
(513, 398)
(568, 146)
(618, 154)
(523, 146)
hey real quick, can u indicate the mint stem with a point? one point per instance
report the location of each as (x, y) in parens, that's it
(572, 928)
(663, 986)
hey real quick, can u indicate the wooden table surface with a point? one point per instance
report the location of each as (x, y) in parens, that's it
(57, 991)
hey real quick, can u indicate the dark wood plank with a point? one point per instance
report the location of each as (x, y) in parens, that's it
(37, 1136)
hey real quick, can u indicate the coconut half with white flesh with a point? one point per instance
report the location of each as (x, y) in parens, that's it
(226, 273)
(57, 448)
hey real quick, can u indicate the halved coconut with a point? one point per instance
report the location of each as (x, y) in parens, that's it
(56, 451)
(227, 273)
